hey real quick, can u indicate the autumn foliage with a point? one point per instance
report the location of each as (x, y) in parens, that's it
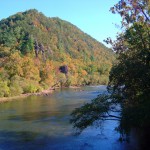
(37, 52)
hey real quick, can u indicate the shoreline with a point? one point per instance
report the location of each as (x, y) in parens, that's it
(42, 93)
(7, 99)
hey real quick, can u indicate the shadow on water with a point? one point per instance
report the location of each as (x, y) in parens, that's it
(37, 141)
(27, 140)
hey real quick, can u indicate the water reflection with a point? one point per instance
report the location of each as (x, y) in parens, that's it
(42, 123)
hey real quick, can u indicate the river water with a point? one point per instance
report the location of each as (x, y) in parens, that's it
(42, 123)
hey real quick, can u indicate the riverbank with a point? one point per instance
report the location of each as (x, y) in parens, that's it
(44, 92)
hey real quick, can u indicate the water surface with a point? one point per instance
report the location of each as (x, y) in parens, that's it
(42, 123)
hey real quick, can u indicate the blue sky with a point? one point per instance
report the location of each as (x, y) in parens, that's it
(91, 16)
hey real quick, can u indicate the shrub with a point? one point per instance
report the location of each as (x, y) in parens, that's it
(4, 89)
(30, 88)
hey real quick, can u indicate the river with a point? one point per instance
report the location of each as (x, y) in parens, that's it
(42, 123)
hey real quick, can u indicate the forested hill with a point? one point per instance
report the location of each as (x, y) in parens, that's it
(46, 44)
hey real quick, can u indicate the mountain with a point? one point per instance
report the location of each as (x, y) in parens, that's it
(47, 45)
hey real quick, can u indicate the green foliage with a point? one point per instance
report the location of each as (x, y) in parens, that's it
(15, 86)
(31, 88)
(4, 51)
(4, 89)
(130, 77)
(27, 45)
(15, 90)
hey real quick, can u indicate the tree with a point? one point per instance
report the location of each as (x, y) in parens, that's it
(63, 69)
(27, 45)
(13, 65)
(129, 85)
(129, 78)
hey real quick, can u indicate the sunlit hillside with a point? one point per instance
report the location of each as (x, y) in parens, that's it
(34, 47)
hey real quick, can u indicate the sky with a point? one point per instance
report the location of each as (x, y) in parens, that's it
(91, 16)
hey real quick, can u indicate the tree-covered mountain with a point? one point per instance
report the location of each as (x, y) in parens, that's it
(34, 49)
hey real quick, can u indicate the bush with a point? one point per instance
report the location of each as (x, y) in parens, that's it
(16, 86)
(4, 89)
(44, 85)
(67, 83)
(30, 88)
(15, 90)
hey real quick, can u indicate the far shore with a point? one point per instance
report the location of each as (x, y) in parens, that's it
(44, 92)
